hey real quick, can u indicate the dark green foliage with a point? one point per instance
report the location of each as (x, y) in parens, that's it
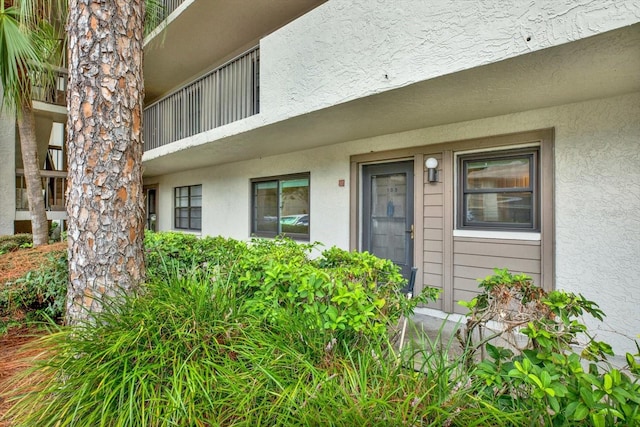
(272, 332)
(185, 253)
(545, 375)
(14, 242)
(345, 294)
(40, 294)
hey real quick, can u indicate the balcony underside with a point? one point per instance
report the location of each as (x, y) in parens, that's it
(596, 67)
(208, 33)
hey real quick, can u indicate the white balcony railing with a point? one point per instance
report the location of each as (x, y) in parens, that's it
(169, 6)
(226, 94)
(50, 89)
(54, 184)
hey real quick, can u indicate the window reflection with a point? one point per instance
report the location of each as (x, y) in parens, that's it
(498, 190)
(281, 206)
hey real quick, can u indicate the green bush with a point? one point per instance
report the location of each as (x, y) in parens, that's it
(345, 295)
(272, 332)
(184, 253)
(10, 243)
(40, 294)
(545, 375)
(348, 295)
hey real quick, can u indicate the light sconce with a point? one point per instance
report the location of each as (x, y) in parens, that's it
(431, 165)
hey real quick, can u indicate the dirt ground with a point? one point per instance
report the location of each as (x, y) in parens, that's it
(14, 357)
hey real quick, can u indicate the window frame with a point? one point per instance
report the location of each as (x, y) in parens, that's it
(278, 180)
(189, 207)
(533, 155)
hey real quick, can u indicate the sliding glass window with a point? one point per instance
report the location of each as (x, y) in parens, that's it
(280, 206)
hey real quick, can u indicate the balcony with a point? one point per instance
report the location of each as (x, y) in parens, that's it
(165, 8)
(54, 185)
(224, 95)
(50, 92)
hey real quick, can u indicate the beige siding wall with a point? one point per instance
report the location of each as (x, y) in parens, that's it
(476, 258)
(453, 263)
(433, 234)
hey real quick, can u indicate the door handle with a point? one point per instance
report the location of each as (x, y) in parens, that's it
(411, 231)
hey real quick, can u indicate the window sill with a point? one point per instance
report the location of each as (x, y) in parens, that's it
(490, 234)
(294, 237)
(188, 231)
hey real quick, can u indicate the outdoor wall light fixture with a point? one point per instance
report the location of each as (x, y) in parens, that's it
(431, 165)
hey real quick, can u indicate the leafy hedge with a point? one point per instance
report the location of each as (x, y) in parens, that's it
(346, 294)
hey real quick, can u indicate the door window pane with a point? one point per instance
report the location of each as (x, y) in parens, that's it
(388, 211)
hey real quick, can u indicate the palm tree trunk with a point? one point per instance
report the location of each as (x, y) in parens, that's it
(105, 203)
(31, 165)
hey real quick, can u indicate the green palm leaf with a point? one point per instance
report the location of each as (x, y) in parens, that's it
(18, 55)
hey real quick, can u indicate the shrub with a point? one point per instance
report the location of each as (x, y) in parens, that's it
(40, 294)
(344, 295)
(10, 243)
(183, 253)
(545, 374)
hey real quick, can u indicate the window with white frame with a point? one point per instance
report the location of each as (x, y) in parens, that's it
(188, 207)
(280, 206)
(498, 190)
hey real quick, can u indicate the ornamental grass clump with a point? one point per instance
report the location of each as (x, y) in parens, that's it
(190, 352)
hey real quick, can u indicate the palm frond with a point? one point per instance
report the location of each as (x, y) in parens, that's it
(31, 40)
(17, 52)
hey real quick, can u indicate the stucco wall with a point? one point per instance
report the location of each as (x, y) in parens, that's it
(7, 173)
(226, 193)
(316, 61)
(598, 206)
(597, 193)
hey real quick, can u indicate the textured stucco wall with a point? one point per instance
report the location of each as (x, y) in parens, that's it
(598, 211)
(597, 193)
(7, 172)
(226, 193)
(317, 60)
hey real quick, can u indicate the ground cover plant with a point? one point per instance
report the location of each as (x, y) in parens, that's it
(233, 333)
(189, 352)
(32, 285)
(14, 242)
